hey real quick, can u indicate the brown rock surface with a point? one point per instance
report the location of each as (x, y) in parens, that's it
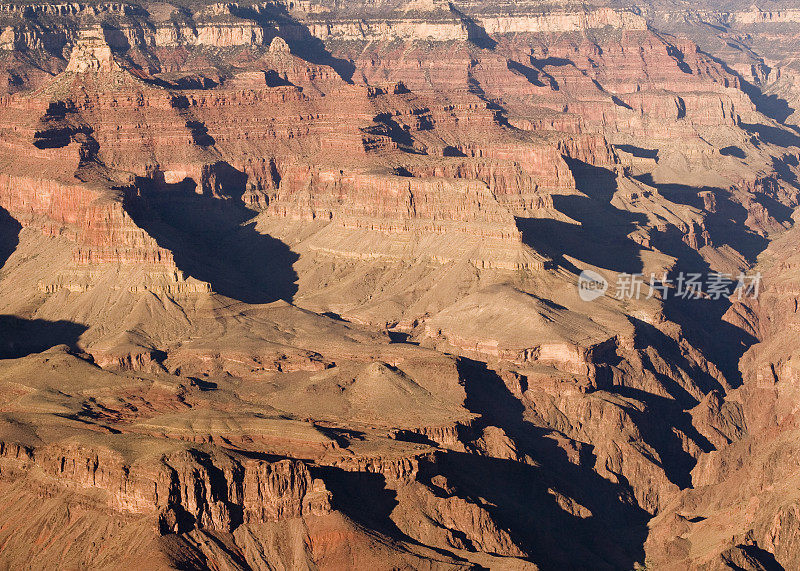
(292, 285)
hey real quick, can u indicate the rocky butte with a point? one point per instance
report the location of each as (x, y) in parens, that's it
(294, 285)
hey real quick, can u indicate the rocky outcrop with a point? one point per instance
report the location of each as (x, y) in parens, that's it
(92, 54)
(564, 21)
(180, 490)
(310, 274)
(101, 229)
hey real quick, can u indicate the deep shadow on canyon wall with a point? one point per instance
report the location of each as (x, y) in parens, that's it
(212, 237)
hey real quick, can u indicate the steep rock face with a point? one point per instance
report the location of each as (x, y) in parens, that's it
(756, 16)
(138, 475)
(101, 230)
(289, 197)
(743, 488)
(92, 53)
(564, 22)
(182, 489)
(428, 174)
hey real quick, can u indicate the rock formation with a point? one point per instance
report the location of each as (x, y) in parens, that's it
(293, 285)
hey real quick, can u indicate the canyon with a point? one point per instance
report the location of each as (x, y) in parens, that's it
(294, 285)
